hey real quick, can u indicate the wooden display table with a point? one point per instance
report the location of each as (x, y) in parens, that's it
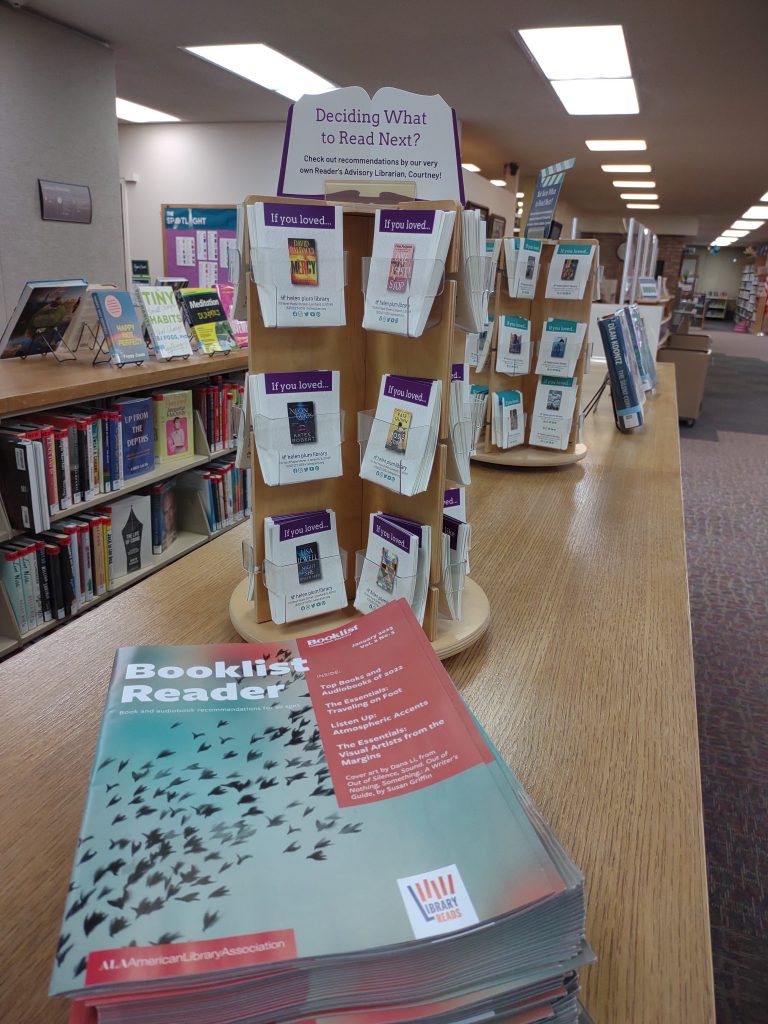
(585, 681)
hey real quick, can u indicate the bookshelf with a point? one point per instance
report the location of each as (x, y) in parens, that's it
(538, 310)
(716, 306)
(363, 357)
(39, 383)
(751, 304)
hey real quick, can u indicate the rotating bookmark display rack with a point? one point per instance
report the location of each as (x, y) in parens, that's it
(538, 310)
(362, 357)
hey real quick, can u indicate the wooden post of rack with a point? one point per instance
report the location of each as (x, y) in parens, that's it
(362, 357)
(538, 310)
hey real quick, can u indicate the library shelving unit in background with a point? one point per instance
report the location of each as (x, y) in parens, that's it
(716, 306)
(752, 298)
(538, 310)
(362, 357)
(39, 383)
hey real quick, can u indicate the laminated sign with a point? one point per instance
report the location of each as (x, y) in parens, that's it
(378, 146)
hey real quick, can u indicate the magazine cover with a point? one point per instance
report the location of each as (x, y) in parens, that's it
(42, 315)
(345, 773)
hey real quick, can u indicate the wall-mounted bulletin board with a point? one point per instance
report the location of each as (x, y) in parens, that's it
(198, 242)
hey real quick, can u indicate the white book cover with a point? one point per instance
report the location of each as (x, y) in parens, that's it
(508, 419)
(131, 535)
(553, 412)
(164, 322)
(406, 269)
(527, 268)
(472, 291)
(569, 270)
(297, 262)
(390, 566)
(296, 425)
(513, 346)
(303, 570)
(560, 347)
(401, 445)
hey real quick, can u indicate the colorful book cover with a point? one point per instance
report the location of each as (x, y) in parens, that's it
(400, 267)
(164, 321)
(302, 253)
(226, 293)
(43, 313)
(220, 769)
(131, 535)
(207, 319)
(138, 436)
(174, 427)
(121, 326)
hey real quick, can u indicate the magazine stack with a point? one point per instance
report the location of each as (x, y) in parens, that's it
(282, 834)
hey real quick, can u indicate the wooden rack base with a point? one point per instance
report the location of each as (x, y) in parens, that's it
(533, 458)
(450, 639)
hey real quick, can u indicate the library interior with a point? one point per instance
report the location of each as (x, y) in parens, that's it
(383, 432)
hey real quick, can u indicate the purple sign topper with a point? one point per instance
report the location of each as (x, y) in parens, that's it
(391, 533)
(415, 222)
(408, 389)
(457, 371)
(298, 383)
(451, 527)
(305, 526)
(299, 216)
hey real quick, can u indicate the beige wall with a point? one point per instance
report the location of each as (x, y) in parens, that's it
(717, 272)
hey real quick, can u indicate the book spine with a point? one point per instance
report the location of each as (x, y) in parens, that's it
(11, 577)
(625, 396)
(63, 469)
(53, 556)
(210, 419)
(36, 600)
(95, 433)
(74, 466)
(97, 555)
(85, 547)
(107, 523)
(157, 522)
(158, 422)
(106, 453)
(101, 473)
(49, 446)
(119, 446)
(45, 583)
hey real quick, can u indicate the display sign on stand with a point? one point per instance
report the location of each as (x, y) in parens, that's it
(392, 137)
(198, 243)
(545, 196)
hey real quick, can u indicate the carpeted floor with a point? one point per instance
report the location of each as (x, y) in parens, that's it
(725, 485)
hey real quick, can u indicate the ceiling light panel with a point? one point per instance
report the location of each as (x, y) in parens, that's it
(259, 63)
(626, 168)
(634, 184)
(722, 242)
(498, 182)
(756, 213)
(764, 199)
(748, 225)
(471, 167)
(582, 51)
(642, 206)
(730, 233)
(639, 195)
(128, 111)
(614, 145)
(598, 96)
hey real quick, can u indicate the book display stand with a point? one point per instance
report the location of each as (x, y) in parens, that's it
(362, 357)
(55, 346)
(538, 310)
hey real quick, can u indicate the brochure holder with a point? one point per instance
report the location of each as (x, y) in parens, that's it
(102, 353)
(538, 310)
(50, 345)
(362, 356)
(297, 461)
(269, 271)
(479, 296)
(401, 312)
(295, 587)
(401, 586)
(391, 468)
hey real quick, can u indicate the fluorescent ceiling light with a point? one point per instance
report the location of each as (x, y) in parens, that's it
(634, 184)
(730, 233)
(626, 168)
(639, 195)
(614, 145)
(756, 213)
(266, 67)
(642, 206)
(598, 96)
(764, 199)
(521, 195)
(136, 112)
(498, 182)
(471, 167)
(722, 242)
(582, 51)
(748, 225)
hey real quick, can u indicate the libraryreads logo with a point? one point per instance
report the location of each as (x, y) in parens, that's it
(437, 902)
(113, 307)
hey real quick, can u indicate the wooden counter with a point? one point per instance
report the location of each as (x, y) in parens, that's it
(39, 382)
(585, 681)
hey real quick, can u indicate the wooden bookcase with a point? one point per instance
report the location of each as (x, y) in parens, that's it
(538, 310)
(40, 383)
(362, 357)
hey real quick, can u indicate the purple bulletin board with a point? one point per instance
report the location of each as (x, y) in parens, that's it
(198, 242)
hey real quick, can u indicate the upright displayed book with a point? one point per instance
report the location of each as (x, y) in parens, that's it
(131, 535)
(207, 320)
(406, 269)
(296, 425)
(303, 569)
(42, 315)
(173, 425)
(553, 411)
(122, 330)
(288, 775)
(626, 385)
(226, 294)
(400, 447)
(137, 435)
(164, 321)
(297, 262)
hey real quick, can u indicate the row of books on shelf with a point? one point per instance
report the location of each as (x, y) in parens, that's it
(305, 570)
(60, 458)
(631, 367)
(56, 573)
(50, 314)
(297, 261)
(297, 426)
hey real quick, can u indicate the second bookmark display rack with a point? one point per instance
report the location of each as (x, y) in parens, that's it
(538, 310)
(362, 356)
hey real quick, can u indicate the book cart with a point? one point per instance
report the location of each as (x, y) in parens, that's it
(538, 310)
(362, 357)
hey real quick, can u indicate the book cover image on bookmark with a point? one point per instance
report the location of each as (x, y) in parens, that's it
(301, 422)
(569, 270)
(397, 438)
(387, 573)
(302, 253)
(400, 267)
(513, 351)
(308, 562)
(561, 345)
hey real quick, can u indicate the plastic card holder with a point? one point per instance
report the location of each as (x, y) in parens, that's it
(392, 584)
(250, 567)
(402, 456)
(400, 293)
(301, 446)
(476, 298)
(293, 299)
(298, 590)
